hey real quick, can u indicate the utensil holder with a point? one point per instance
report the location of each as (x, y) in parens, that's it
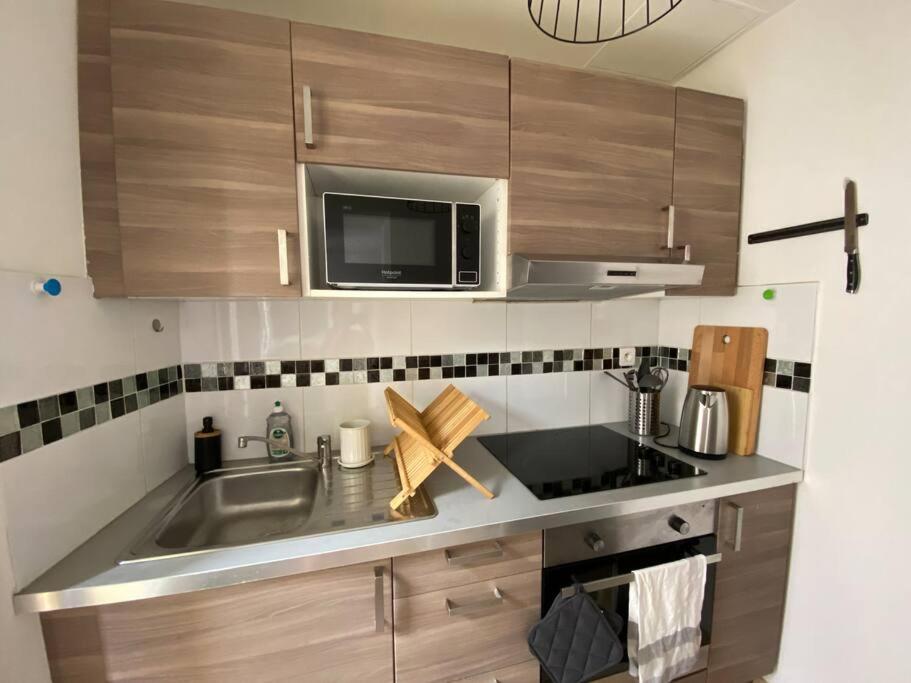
(644, 410)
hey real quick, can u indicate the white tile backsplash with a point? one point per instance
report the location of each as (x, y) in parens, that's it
(164, 440)
(488, 392)
(239, 330)
(677, 320)
(327, 407)
(547, 401)
(632, 322)
(548, 325)
(457, 326)
(238, 413)
(609, 400)
(61, 494)
(153, 349)
(350, 329)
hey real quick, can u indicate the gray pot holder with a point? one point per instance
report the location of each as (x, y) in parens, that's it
(576, 642)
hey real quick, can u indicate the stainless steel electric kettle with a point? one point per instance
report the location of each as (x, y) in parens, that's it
(704, 423)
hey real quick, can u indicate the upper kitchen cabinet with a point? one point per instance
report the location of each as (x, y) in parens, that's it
(708, 162)
(592, 162)
(204, 146)
(379, 102)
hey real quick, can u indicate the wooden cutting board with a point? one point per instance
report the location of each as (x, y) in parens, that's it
(734, 359)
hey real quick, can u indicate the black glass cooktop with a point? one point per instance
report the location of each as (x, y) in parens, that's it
(554, 463)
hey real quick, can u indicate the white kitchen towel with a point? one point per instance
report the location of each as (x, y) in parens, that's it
(665, 610)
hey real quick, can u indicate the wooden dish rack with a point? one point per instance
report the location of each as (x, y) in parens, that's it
(429, 438)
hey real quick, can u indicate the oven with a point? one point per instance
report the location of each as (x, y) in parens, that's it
(600, 555)
(393, 243)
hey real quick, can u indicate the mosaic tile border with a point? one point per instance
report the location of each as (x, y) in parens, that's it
(32, 424)
(273, 374)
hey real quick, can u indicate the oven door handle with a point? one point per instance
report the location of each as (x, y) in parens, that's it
(619, 580)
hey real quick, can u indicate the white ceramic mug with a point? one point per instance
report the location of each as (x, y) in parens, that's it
(355, 443)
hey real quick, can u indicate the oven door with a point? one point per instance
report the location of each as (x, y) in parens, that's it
(616, 599)
(387, 242)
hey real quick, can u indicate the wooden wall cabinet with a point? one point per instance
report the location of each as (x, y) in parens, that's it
(750, 584)
(708, 163)
(592, 162)
(389, 103)
(318, 627)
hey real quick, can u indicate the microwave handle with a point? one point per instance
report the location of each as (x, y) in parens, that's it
(284, 277)
(308, 117)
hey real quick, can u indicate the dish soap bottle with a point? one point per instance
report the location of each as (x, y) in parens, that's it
(278, 428)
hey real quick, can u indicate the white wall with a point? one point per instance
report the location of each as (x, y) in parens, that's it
(828, 97)
(54, 498)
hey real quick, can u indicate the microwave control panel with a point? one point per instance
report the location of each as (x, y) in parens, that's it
(468, 246)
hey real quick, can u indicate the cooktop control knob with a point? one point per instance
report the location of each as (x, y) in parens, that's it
(594, 541)
(679, 525)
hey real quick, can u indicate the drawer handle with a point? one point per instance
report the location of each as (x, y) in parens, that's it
(493, 553)
(308, 117)
(379, 604)
(469, 607)
(283, 277)
(738, 528)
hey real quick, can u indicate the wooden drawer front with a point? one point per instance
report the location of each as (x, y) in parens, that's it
(526, 672)
(456, 566)
(432, 645)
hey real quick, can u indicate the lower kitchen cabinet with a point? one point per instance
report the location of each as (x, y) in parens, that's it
(754, 536)
(465, 631)
(322, 627)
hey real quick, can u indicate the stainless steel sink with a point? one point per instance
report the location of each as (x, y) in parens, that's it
(255, 501)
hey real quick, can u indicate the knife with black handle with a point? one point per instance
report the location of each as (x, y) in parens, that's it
(853, 275)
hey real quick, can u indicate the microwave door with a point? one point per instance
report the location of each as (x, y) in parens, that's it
(383, 242)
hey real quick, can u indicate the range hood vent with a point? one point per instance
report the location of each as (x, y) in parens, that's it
(534, 278)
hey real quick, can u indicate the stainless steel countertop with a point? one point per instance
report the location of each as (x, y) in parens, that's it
(90, 575)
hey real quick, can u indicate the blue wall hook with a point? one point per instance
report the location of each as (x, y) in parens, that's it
(51, 287)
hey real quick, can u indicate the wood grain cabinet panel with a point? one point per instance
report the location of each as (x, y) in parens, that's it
(526, 672)
(316, 627)
(437, 569)
(385, 102)
(204, 144)
(750, 585)
(708, 167)
(432, 645)
(591, 164)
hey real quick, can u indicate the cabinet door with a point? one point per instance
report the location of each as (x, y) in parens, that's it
(750, 584)
(591, 163)
(708, 166)
(204, 144)
(318, 627)
(384, 102)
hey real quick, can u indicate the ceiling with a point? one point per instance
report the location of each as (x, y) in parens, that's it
(664, 51)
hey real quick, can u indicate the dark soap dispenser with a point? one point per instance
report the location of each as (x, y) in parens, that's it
(207, 448)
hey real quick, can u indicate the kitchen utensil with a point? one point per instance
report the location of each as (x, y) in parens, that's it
(619, 381)
(355, 443)
(853, 275)
(663, 375)
(654, 380)
(643, 411)
(732, 356)
(429, 438)
(740, 404)
(643, 371)
(704, 422)
(630, 377)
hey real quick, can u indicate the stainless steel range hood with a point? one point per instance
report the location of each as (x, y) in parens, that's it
(533, 278)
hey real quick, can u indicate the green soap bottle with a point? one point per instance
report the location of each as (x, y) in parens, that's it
(278, 428)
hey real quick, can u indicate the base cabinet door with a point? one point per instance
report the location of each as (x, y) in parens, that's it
(204, 148)
(332, 626)
(754, 537)
(708, 166)
(591, 163)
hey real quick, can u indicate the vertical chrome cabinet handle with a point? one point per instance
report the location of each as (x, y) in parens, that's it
(283, 277)
(738, 527)
(670, 227)
(493, 553)
(455, 610)
(379, 603)
(308, 117)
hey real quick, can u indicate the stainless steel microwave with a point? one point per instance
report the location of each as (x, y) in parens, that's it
(391, 243)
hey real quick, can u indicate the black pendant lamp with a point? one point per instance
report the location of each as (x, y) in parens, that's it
(596, 21)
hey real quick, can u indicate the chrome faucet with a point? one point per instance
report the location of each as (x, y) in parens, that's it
(323, 462)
